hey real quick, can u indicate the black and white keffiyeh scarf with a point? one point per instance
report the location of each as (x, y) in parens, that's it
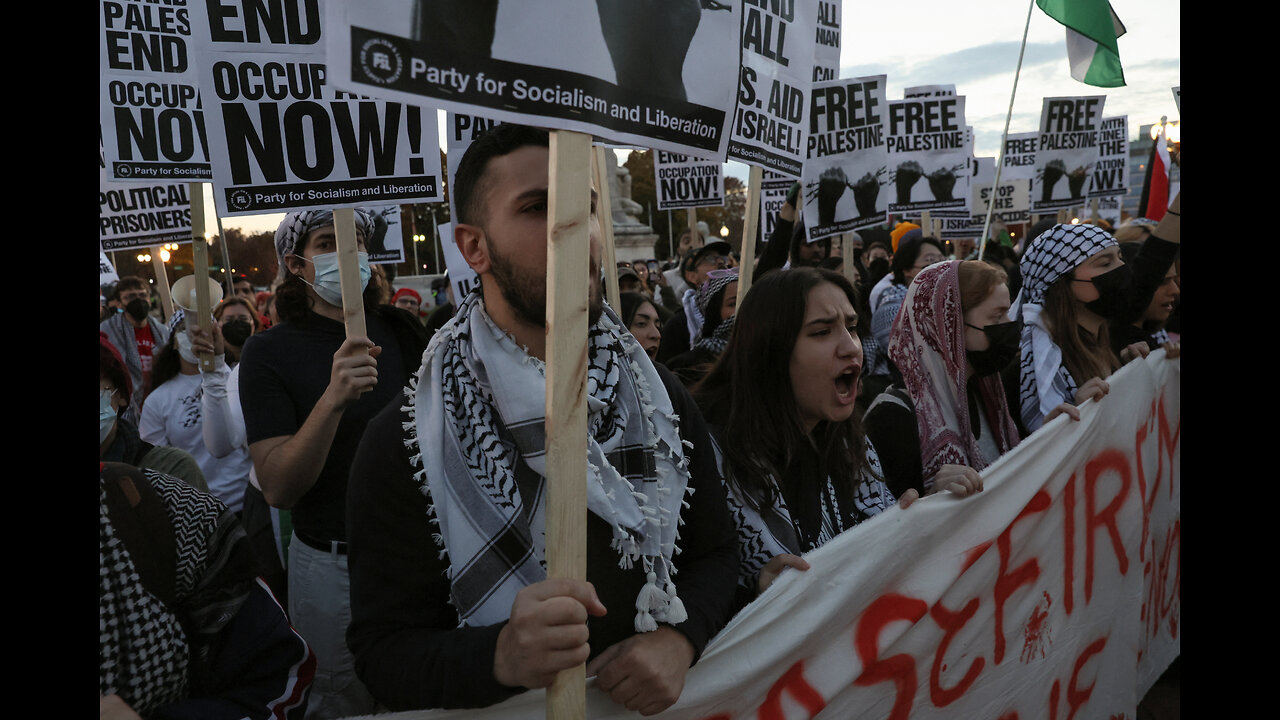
(476, 428)
(773, 531)
(1054, 253)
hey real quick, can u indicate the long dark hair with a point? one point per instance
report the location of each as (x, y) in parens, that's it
(166, 363)
(748, 393)
(293, 303)
(1084, 354)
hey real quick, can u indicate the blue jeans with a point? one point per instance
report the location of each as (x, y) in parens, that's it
(320, 610)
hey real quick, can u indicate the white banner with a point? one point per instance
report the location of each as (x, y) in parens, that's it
(1111, 174)
(1055, 592)
(848, 151)
(149, 107)
(928, 140)
(618, 70)
(1066, 152)
(282, 138)
(778, 45)
(684, 182)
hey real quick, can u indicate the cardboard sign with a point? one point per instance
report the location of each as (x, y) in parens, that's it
(848, 162)
(282, 137)
(772, 117)
(617, 70)
(152, 119)
(684, 182)
(928, 141)
(1111, 174)
(1066, 152)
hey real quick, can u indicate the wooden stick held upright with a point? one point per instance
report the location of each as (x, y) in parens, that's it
(200, 254)
(568, 273)
(846, 252)
(344, 226)
(162, 284)
(754, 178)
(604, 210)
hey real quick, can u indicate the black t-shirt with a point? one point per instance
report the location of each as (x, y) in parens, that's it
(283, 373)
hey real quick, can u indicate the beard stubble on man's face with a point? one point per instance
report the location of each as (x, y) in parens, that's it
(526, 293)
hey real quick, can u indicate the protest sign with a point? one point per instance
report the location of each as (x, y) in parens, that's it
(1109, 209)
(618, 70)
(136, 215)
(1111, 174)
(1177, 97)
(1066, 151)
(773, 193)
(954, 228)
(928, 139)
(848, 150)
(1054, 593)
(282, 138)
(152, 119)
(778, 45)
(106, 271)
(923, 91)
(1012, 198)
(1019, 156)
(826, 54)
(684, 182)
(461, 277)
(386, 243)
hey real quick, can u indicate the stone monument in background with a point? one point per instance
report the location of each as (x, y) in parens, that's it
(632, 240)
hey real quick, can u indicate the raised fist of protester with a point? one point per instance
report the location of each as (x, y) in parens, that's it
(1094, 389)
(1134, 351)
(775, 566)
(207, 341)
(1067, 409)
(959, 480)
(354, 372)
(645, 672)
(547, 632)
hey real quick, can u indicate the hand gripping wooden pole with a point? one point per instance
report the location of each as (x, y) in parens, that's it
(344, 227)
(568, 274)
(604, 210)
(752, 221)
(200, 255)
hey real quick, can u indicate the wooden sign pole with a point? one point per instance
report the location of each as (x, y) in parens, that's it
(344, 226)
(926, 224)
(754, 178)
(162, 284)
(692, 213)
(200, 254)
(846, 251)
(568, 246)
(1093, 210)
(1064, 216)
(604, 210)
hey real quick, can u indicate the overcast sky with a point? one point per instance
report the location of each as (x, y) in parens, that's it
(974, 46)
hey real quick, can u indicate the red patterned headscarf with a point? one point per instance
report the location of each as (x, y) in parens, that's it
(927, 345)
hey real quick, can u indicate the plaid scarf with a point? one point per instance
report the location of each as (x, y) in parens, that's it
(1056, 252)
(927, 346)
(478, 432)
(295, 226)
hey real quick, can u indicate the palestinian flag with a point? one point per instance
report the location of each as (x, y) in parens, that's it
(1155, 184)
(1092, 31)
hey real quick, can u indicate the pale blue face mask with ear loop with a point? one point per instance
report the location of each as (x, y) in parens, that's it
(106, 415)
(328, 285)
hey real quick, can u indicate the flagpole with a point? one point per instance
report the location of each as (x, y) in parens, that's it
(1004, 138)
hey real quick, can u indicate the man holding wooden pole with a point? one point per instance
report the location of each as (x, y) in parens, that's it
(451, 601)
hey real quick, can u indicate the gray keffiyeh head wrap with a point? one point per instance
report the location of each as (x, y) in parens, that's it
(1054, 253)
(296, 225)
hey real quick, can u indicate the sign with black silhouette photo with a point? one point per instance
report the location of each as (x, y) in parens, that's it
(282, 137)
(1111, 174)
(928, 142)
(1066, 152)
(848, 162)
(921, 91)
(623, 71)
(685, 182)
(385, 243)
(778, 58)
(149, 106)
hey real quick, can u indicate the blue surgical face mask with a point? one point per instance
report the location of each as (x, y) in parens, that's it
(327, 284)
(106, 415)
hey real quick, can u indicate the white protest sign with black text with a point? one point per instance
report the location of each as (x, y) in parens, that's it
(618, 70)
(1020, 156)
(773, 194)
(152, 119)
(106, 271)
(1066, 152)
(928, 141)
(1110, 176)
(461, 277)
(778, 44)
(684, 182)
(826, 54)
(848, 156)
(283, 138)
(1012, 198)
(136, 215)
(920, 91)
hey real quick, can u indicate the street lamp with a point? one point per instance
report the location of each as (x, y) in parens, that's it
(724, 231)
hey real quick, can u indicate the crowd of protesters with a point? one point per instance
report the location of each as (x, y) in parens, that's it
(358, 521)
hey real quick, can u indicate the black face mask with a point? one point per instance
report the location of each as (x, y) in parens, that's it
(1002, 348)
(1113, 286)
(138, 309)
(236, 330)
(878, 268)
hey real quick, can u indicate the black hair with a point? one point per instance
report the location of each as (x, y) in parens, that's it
(631, 303)
(502, 139)
(908, 252)
(128, 282)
